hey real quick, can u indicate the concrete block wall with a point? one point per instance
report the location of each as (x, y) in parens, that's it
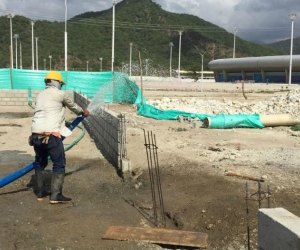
(106, 130)
(12, 97)
(16, 97)
(278, 229)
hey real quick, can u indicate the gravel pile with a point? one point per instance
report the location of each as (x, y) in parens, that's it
(283, 104)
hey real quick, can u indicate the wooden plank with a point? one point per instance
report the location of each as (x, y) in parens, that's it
(157, 235)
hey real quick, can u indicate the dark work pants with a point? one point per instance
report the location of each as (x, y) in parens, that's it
(54, 149)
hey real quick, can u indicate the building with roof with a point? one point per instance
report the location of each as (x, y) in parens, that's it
(266, 69)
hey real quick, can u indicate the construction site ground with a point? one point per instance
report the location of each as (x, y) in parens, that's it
(197, 196)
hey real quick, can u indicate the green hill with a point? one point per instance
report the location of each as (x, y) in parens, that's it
(285, 46)
(142, 22)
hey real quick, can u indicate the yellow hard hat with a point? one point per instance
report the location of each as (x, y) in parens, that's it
(54, 75)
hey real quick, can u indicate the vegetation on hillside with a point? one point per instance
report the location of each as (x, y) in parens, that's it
(285, 46)
(142, 22)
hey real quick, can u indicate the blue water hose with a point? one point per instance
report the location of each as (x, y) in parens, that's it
(19, 173)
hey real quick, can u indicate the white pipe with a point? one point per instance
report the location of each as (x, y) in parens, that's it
(278, 120)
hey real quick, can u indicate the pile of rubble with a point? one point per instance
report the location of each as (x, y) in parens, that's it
(283, 104)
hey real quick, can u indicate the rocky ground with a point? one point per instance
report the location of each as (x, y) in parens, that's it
(197, 195)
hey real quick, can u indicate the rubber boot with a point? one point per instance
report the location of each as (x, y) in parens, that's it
(56, 189)
(41, 192)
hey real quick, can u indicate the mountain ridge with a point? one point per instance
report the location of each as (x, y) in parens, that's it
(143, 23)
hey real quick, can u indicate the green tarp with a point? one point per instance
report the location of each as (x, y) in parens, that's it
(116, 87)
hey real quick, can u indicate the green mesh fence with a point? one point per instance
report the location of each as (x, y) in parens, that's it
(117, 88)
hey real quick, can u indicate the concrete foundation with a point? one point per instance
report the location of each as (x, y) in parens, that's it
(278, 229)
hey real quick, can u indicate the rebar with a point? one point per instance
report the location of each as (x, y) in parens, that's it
(155, 181)
(269, 196)
(259, 194)
(247, 211)
(122, 138)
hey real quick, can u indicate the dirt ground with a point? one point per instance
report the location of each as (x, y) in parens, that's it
(197, 195)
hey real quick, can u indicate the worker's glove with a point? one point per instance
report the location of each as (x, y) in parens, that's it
(68, 124)
(85, 112)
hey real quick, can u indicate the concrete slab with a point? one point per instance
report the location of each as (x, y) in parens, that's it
(278, 229)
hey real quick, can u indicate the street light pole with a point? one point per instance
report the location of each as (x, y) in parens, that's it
(113, 39)
(87, 66)
(130, 57)
(180, 34)
(32, 45)
(21, 66)
(171, 46)
(202, 55)
(235, 30)
(11, 16)
(147, 67)
(66, 38)
(293, 17)
(100, 59)
(36, 51)
(16, 36)
(50, 57)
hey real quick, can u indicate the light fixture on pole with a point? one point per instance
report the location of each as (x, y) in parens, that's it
(16, 36)
(130, 57)
(11, 16)
(202, 55)
(87, 66)
(235, 30)
(171, 47)
(113, 38)
(147, 67)
(32, 44)
(180, 34)
(36, 52)
(100, 59)
(44, 64)
(293, 17)
(66, 38)
(50, 57)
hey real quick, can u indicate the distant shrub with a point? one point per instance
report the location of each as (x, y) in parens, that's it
(296, 127)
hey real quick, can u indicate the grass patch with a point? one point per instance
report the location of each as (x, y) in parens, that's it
(295, 127)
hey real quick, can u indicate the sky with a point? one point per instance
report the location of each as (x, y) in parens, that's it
(264, 21)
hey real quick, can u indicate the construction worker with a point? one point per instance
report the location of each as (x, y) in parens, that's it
(48, 128)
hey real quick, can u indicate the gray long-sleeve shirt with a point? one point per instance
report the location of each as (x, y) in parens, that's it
(49, 114)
